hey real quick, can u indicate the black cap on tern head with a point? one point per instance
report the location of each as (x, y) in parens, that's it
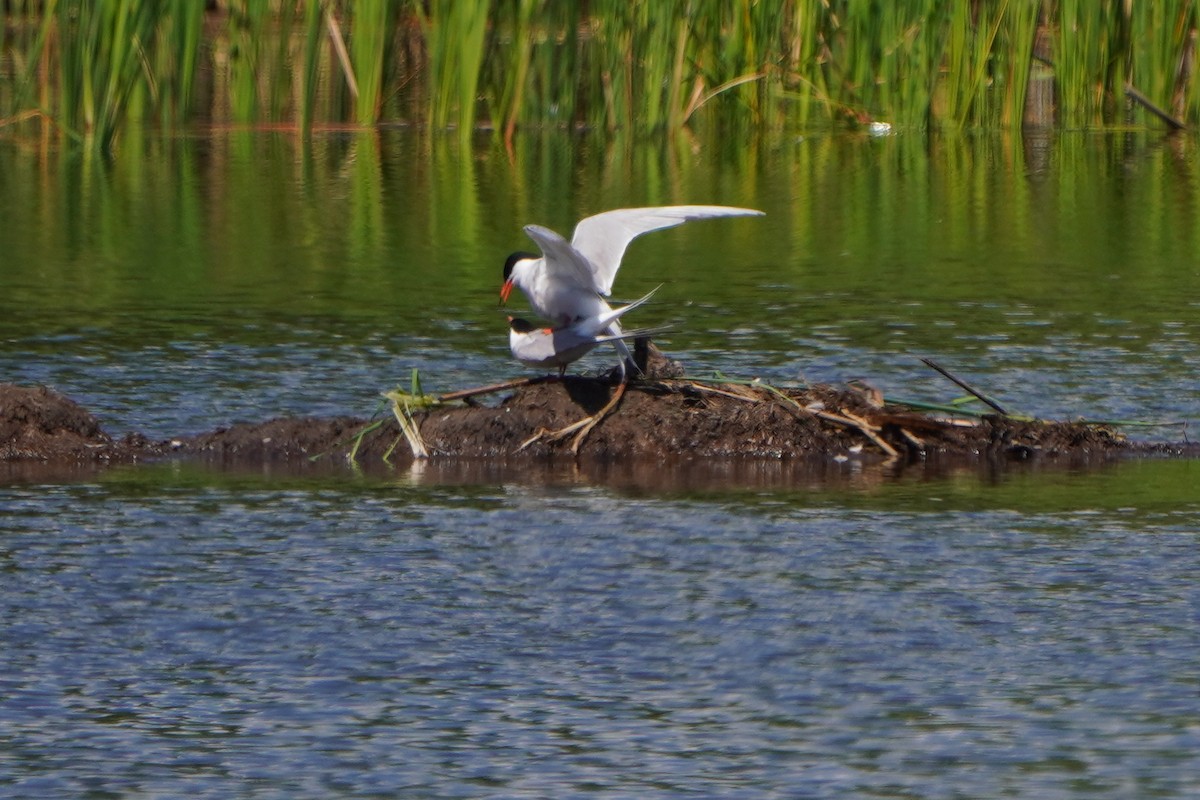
(520, 325)
(513, 259)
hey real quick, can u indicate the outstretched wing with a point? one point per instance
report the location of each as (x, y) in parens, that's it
(602, 239)
(564, 263)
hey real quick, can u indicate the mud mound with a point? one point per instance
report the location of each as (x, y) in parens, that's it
(661, 419)
(37, 423)
(669, 419)
(654, 421)
(285, 438)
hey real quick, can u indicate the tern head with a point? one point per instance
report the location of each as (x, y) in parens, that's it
(519, 325)
(509, 265)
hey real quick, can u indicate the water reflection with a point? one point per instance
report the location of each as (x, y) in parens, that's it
(944, 485)
(1055, 269)
(738, 475)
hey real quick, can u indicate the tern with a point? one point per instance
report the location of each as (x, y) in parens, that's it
(558, 347)
(569, 281)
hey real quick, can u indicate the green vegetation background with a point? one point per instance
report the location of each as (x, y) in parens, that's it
(86, 70)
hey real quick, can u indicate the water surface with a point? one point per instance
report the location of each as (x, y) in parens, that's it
(228, 277)
(468, 629)
(169, 631)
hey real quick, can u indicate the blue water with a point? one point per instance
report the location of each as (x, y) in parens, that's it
(237, 637)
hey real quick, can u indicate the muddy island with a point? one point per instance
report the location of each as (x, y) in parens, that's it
(663, 416)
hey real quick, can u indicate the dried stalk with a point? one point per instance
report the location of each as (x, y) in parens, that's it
(929, 362)
(409, 426)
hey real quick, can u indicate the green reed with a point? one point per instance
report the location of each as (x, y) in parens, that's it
(1166, 31)
(177, 56)
(311, 61)
(101, 50)
(632, 67)
(1016, 37)
(371, 26)
(255, 74)
(454, 36)
(507, 90)
(1102, 47)
(1081, 53)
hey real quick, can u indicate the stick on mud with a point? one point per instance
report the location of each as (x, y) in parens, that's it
(983, 398)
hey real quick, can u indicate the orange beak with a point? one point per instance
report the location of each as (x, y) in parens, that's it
(505, 291)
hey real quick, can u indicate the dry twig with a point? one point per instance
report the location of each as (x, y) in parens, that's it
(929, 362)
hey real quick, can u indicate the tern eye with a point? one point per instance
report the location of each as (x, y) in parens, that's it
(512, 262)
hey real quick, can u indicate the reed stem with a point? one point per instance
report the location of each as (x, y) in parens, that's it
(642, 68)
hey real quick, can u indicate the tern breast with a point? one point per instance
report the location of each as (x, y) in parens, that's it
(562, 302)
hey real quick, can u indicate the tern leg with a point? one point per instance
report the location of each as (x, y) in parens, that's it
(623, 353)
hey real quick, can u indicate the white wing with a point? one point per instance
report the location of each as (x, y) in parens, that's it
(564, 263)
(597, 324)
(633, 334)
(602, 239)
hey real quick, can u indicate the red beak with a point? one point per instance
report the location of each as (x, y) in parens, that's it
(505, 291)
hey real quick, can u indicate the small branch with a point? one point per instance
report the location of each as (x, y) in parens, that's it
(929, 362)
(21, 117)
(866, 429)
(697, 100)
(713, 390)
(462, 394)
(584, 426)
(339, 46)
(845, 419)
(916, 441)
(595, 419)
(1133, 94)
(552, 436)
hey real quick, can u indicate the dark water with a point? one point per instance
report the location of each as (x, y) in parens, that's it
(508, 630)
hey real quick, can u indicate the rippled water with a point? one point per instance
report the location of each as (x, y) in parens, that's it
(171, 633)
(473, 629)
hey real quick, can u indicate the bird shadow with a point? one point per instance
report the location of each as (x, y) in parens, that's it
(590, 394)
